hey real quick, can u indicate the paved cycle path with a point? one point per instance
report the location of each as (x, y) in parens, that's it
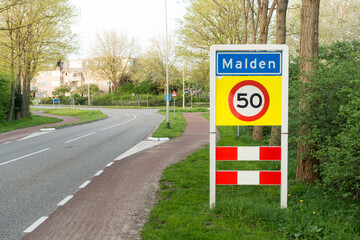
(117, 202)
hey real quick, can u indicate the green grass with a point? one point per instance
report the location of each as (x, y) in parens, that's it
(34, 120)
(84, 115)
(180, 109)
(245, 212)
(177, 126)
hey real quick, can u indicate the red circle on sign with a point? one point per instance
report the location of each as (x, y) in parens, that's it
(256, 85)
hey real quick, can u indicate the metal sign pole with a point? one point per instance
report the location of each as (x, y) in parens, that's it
(212, 129)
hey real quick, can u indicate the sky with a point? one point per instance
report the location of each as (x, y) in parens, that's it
(142, 19)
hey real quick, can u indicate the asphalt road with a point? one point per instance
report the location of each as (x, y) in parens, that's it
(37, 173)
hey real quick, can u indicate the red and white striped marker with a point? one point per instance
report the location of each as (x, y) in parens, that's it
(248, 153)
(248, 177)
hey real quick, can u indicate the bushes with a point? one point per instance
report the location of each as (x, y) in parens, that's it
(4, 97)
(334, 116)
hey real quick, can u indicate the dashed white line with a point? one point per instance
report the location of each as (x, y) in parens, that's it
(28, 155)
(35, 225)
(134, 117)
(65, 200)
(84, 184)
(80, 137)
(109, 164)
(98, 173)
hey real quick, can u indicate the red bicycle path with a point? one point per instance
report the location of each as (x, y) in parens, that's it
(23, 132)
(116, 204)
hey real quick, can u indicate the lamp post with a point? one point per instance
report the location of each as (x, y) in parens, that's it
(184, 86)
(167, 69)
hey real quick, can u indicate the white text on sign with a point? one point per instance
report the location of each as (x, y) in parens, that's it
(242, 63)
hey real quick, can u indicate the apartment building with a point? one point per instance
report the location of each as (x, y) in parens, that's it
(70, 72)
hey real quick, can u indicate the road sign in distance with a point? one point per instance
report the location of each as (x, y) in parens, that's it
(174, 94)
(167, 97)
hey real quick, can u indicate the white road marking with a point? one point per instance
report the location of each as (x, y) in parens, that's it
(98, 173)
(134, 117)
(65, 200)
(7, 142)
(84, 184)
(35, 225)
(139, 147)
(28, 155)
(109, 164)
(80, 137)
(35, 134)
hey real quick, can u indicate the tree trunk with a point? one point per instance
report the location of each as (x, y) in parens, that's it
(12, 101)
(25, 111)
(281, 9)
(258, 133)
(263, 31)
(309, 52)
(263, 7)
(245, 19)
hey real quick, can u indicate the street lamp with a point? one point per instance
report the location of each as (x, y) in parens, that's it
(167, 69)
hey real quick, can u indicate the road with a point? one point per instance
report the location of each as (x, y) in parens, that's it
(38, 173)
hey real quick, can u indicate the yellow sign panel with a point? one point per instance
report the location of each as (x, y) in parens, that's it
(248, 100)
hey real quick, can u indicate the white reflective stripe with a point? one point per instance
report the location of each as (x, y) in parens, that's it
(248, 178)
(35, 225)
(248, 153)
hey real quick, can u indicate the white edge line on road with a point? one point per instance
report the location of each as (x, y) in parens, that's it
(35, 225)
(65, 200)
(80, 137)
(109, 164)
(28, 155)
(84, 184)
(134, 117)
(6, 142)
(98, 173)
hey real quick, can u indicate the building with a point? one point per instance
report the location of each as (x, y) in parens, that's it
(69, 72)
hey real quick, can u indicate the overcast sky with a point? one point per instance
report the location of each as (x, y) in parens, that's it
(142, 19)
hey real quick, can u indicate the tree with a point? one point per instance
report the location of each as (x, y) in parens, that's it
(151, 66)
(36, 33)
(275, 137)
(309, 53)
(62, 90)
(339, 20)
(200, 74)
(265, 15)
(4, 96)
(112, 57)
(84, 89)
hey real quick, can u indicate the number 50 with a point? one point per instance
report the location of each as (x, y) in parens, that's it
(244, 102)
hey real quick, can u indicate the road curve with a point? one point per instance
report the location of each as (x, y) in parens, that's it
(38, 173)
(117, 202)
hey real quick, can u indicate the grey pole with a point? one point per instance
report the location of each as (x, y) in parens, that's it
(167, 70)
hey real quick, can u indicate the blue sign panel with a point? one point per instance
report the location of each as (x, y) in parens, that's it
(56, 100)
(241, 63)
(168, 97)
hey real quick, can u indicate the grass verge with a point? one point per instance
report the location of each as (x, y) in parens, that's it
(84, 115)
(177, 126)
(34, 120)
(180, 109)
(244, 212)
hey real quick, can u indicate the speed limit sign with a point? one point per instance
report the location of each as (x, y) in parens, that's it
(248, 87)
(248, 100)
